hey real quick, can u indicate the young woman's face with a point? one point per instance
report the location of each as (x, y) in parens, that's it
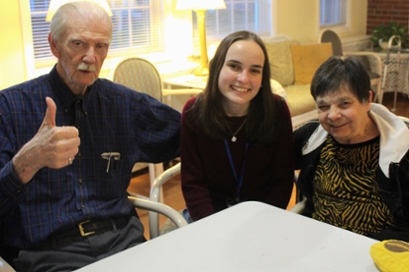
(240, 77)
(343, 116)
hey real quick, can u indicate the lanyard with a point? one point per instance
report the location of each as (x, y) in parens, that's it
(239, 179)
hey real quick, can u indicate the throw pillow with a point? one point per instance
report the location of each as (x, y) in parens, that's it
(307, 58)
(281, 65)
(277, 88)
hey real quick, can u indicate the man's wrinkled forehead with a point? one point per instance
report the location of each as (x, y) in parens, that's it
(81, 29)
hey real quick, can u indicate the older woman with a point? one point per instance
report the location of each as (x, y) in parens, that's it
(354, 162)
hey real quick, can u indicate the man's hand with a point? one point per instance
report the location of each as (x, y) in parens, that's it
(52, 146)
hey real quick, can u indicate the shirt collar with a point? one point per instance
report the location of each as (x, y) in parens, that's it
(394, 137)
(64, 94)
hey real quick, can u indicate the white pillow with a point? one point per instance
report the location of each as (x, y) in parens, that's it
(277, 88)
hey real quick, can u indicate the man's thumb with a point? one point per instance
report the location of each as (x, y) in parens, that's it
(49, 118)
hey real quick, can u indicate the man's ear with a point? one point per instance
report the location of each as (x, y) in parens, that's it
(54, 46)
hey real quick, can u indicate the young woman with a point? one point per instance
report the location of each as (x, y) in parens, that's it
(236, 136)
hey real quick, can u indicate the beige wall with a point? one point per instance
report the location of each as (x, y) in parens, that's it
(300, 19)
(12, 61)
(358, 16)
(296, 18)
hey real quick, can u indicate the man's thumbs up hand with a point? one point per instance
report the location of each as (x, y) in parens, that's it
(52, 146)
(49, 118)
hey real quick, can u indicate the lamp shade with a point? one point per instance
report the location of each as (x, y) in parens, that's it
(55, 4)
(200, 4)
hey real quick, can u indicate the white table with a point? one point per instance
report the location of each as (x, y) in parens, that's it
(250, 236)
(191, 85)
(5, 267)
(189, 81)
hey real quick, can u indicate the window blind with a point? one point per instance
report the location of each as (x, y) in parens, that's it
(333, 12)
(251, 15)
(137, 27)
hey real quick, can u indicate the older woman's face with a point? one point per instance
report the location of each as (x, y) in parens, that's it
(343, 116)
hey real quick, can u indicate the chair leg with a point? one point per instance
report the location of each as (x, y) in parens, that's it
(154, 171)
(378, 94)
(380, 91)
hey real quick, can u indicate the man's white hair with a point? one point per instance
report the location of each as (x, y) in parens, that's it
(89, 10)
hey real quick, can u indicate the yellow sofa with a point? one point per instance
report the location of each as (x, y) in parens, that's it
(289, 79)
(293, 65)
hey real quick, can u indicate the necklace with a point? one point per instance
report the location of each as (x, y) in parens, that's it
(234, 138)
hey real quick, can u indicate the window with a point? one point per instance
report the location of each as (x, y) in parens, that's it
(137, 27)
(333, 12)
(38, 11)
(251, 15)
(137, 24)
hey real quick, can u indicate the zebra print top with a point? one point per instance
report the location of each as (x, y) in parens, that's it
(346, 193)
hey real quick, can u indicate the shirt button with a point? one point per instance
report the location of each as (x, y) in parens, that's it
(80, 180)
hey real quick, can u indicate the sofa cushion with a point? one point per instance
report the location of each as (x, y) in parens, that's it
(307, 58)
(299, 99)
(276, 88)
(281, 64)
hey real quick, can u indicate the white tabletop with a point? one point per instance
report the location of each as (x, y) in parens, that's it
(190, 81)
(250, 236)
(5, 267)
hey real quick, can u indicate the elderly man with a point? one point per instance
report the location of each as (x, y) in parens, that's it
(68, 142)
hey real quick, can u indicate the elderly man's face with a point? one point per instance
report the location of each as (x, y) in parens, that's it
(81, 52)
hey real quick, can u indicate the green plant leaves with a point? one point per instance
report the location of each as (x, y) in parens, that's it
(385, 31)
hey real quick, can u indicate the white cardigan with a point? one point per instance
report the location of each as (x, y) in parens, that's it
(394, 137)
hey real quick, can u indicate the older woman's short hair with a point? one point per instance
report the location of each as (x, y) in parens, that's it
(337, 71)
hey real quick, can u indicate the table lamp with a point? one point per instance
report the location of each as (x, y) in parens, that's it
(200, 7)
(55, 4)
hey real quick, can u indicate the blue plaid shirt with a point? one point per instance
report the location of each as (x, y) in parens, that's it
(110, 118)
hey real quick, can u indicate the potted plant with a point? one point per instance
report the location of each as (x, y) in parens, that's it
(381, 34)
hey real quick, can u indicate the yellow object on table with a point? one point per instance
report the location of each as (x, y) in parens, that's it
(391, 255)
